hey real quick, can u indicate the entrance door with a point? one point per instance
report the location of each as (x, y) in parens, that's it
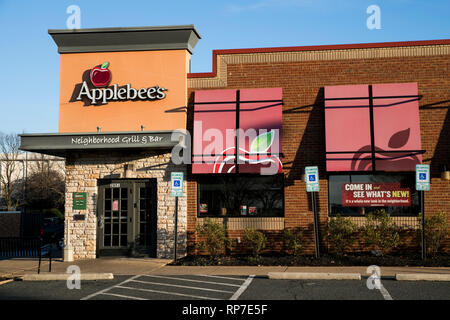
(126, 214)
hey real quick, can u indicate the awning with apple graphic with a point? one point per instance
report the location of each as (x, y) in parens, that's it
(372, 127)
(256, 148)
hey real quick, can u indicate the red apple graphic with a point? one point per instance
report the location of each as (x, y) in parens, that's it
(100, 76)
(225, 163)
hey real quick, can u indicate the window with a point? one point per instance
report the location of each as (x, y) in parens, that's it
(359, 194)
(240, 196)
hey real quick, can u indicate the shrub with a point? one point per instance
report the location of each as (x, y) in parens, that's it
(292, 241)
(381, 231)
(340, 233)
(215, 238)
(256, 239)
(436, 230)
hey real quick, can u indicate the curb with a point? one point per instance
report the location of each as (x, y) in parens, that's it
(6, 281)
(422, 277)
(313, 275)
(64, 276)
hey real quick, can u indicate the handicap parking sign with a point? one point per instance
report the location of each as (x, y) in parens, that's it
(423, 177)
(176, 186)
(312, 179)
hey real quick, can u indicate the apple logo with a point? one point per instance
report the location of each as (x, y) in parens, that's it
(101, 76)
(396, 161)
(225, 163)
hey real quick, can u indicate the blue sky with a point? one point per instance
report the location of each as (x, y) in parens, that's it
(29, 76)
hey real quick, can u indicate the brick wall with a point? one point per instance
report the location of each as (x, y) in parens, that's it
(303, 78)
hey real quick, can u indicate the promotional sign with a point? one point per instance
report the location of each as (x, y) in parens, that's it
(79, 201)
(312, 179)
(115, 205)
(176, 184)
(375, 195)
(423, 177)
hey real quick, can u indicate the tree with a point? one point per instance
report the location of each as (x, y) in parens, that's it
(45, 185)
(9, 173)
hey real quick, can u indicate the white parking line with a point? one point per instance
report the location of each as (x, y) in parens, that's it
(192, 280)
(109, 288)
(169, 293)
(219, 277)
(122, 296)
(242, 288)
(180, 286)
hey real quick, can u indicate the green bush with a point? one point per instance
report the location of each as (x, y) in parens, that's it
(436, 230)
(256, 240)
(215, 238)
(381, 231)
(292, 241)
(340, 233)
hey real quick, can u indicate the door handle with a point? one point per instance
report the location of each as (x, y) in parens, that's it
(100, 222)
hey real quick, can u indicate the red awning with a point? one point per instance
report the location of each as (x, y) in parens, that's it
(257, 115)
(372, 127)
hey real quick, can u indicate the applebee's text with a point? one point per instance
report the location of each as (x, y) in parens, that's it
(120, 94)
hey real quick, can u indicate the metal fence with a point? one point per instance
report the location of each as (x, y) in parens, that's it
(20, 247)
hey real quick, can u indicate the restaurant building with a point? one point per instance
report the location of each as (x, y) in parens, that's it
(364, 114)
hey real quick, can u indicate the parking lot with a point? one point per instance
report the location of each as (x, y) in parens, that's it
(216, 287)
(151, 287)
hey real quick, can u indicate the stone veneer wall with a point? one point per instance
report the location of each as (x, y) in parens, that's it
(82, 171)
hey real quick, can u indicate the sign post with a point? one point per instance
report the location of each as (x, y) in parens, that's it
(176, 190)
(312, 185)
(423, 184)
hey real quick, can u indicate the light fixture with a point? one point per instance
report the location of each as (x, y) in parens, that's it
(98, 129)
(445, 173)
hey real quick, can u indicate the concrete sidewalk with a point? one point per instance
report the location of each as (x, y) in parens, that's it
(130, 266)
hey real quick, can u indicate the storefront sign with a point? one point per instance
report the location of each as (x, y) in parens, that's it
(79, 201)
(423, 177)
(312, 179)
(160, 139)
(375, 195)
(176, 184)
(100, 78)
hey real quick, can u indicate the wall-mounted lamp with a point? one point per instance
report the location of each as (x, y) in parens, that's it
(445, 173)
(142, 128)
(98, 129)
(303, 176)
(129, 170)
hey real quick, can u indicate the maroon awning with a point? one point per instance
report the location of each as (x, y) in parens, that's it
(372, 127)
(257, 115)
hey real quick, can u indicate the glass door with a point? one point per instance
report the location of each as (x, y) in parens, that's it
(126, 217)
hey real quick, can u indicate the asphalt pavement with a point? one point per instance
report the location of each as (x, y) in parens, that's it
(213, 287)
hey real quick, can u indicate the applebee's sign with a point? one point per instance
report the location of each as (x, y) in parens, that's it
(100, 78)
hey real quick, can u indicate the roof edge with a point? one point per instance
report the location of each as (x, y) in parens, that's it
(314, 48)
